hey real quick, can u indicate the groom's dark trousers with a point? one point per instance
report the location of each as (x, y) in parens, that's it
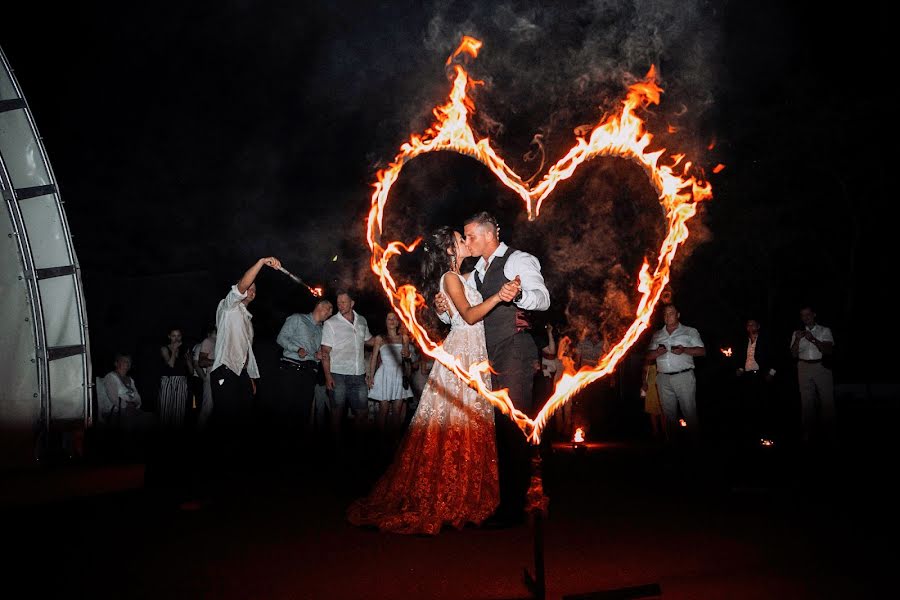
(512, 353)
(513, 359)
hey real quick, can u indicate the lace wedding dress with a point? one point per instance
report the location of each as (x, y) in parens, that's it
(445, 471)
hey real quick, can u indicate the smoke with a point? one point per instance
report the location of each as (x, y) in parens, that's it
(547, 70)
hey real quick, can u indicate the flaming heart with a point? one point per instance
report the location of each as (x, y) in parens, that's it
(622, 135)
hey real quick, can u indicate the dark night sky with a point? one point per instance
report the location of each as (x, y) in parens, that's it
(191, 140)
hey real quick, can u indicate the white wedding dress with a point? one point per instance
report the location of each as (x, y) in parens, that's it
(445, 471)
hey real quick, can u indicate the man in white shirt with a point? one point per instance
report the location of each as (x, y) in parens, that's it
(810, 346)
(673, 348)
(344, 337)
(234, 370)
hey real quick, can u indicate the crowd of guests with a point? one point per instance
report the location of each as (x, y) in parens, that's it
(335, 375)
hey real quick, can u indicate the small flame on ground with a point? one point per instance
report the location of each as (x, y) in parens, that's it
(621, 135)
(727, 351)
(718, 168)
(766, 442)
(579, 435)
(682, 422)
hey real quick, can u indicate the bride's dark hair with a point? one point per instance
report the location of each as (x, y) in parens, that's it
(437, 261)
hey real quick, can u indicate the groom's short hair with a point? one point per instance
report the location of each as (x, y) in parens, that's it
(485, 219)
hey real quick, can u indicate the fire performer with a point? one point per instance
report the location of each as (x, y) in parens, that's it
(511, 350)
(234, 372)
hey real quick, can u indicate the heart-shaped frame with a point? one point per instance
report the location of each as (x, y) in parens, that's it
(621, 135)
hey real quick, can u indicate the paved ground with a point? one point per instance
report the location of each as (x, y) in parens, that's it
(762, 523)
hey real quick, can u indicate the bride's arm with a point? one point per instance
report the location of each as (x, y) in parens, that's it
(470, 314)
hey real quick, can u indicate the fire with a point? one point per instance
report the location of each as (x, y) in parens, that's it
(317, 292)
(726, 351)
(682, 422)
(579, 435)
(621, 135)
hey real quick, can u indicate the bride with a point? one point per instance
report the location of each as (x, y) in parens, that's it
(445, 470)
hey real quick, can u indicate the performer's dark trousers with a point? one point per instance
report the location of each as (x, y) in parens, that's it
(298, 384)
(513, 360)
(231, 420)
(756, 416)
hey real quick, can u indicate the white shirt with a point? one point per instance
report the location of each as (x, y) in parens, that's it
(687, 337)
(234, 340)
(751, 364)
(534, 292)
(116, 390)
(347, 343)
(808, 350)
(208, 347)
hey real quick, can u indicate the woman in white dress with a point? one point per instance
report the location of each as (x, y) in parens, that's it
(445, 471)
(386, 386)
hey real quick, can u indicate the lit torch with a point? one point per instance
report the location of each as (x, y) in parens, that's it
(578, 438)
(726, 351)
(620, 135)
(317, 291)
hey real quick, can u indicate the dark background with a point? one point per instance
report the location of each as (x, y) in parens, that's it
(189, 140)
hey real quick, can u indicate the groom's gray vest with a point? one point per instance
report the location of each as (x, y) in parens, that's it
(501, 323)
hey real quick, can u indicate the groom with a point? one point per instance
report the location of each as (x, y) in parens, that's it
(511, 350)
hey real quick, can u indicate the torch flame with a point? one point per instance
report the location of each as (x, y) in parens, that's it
(621, 135)
(579, 435)
(726, 351)
(317, 292)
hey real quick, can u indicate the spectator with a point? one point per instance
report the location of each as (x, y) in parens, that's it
(812, 346)
(344, 337)
(674, 348)
(174, 390)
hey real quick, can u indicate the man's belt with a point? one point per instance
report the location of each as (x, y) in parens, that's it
(677, 372)
(817, 360)
(299, 365)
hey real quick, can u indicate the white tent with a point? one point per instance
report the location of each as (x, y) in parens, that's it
(45, 376)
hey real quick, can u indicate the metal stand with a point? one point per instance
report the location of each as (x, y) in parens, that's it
(537, 507)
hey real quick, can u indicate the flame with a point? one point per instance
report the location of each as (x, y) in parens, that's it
(726, 351)
(621, 135)
(579, 435)
(682, 422)
(766, 442)
(316, 291)
(718, 168)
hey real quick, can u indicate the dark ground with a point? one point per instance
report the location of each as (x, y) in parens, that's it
(730, 523)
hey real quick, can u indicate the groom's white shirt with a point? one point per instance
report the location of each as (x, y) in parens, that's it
(534, 292)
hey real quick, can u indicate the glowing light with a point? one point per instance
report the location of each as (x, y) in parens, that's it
(579, 435)
(621, 135)
(766, 442)
(726, 351)
(682, 422)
